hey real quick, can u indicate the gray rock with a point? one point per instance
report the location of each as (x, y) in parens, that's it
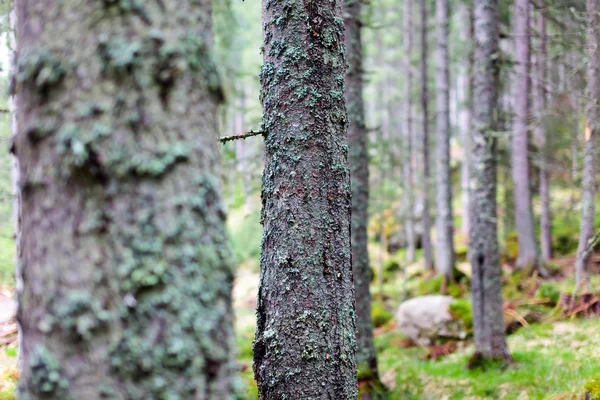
(427, 319)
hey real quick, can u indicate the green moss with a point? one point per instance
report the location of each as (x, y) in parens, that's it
(460, 309)
(592, 388)
(380, 315)
(549, 291)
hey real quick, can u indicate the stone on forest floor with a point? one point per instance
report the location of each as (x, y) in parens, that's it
(427, 319)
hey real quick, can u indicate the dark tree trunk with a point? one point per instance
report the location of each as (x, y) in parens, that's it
(424, 168)
(488, 321)
(542, 141)
(407, 135)
(306, 333)
(528, 257)
(444, 223)
(366, 356)
(590, 156)
(125, 261)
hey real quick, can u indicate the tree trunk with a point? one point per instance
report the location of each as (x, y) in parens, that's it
(407, 167)
(424, 167)
(366, 356)
(542, 142)
(305, 336)
(528, 257)
(590, 156)
(488, 321)
(465, 104)
(444, 223)
(126, 266)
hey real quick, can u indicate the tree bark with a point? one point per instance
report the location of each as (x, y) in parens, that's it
(306, 333)
(488, 321)
(465, 104)
(590, 156)
(424, 167)
(126, 266)
(528, 256)
(366, 356)
(407, 166)
(444, 215)
(542, 141)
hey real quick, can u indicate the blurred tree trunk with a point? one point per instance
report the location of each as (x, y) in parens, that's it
(488, 321)
(590, 156)
(465, 104)
(242, 149)
(366, 356)
(126, 266)
(306, 332)
(408, 171)
(540, 96)
(528, 257)
(445, 226)
(424, 168)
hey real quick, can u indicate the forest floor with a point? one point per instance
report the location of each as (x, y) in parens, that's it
(554, 357)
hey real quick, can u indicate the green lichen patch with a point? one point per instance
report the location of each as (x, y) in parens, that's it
(81, 316)
(44, 375)
(40, 129)
(119, 56)
(41, 70)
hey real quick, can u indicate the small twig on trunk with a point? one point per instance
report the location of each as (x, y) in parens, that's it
(226, 139)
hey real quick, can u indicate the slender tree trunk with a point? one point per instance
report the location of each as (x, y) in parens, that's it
(528, 257)
(424, 167)
(590, 156)
(465, 104)
(306, 332)
(444, 223)
(488, 321)
(542, 141)
(408, 171)
(126, 266)
(366, 356)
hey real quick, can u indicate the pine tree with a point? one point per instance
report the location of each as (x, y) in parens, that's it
(444, 217)
(590, 156)
(488, 320)
(305, 337)
(366, 355)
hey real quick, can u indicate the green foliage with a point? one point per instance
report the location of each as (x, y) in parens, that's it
(550, 292)
(40, 69)
(460, 309)
(245, 232)
(380, 315)
(592, 388)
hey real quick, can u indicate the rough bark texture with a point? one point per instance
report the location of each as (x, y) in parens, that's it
(488, 321)
(542, 141)
(125, 262)
(366, 356)
(465, 104)
(306, 333)
(424, 164)
(407, 166)
(528, 257)
(444, 224)
(590, 156)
